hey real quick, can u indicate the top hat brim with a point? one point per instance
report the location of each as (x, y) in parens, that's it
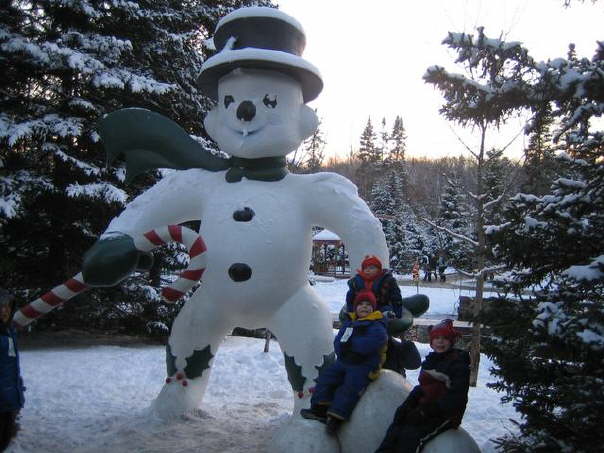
(224, 62)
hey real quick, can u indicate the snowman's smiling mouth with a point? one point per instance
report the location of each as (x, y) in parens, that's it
(244, 132)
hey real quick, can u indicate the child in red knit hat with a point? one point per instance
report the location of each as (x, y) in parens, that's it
(439, 401)
(360, 352)
(373, 277)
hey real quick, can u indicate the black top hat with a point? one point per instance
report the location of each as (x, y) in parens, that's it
(260, 38)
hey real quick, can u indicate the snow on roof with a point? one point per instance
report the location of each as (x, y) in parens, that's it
(326, 235)
(260, 11)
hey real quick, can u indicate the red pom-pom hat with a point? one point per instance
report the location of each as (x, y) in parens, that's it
(444, 329)
(365, 296)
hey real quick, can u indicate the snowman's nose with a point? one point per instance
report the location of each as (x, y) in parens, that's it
(246, 111)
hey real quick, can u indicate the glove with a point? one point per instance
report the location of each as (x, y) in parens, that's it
(344, 316)
(389, 314)
(111, 260)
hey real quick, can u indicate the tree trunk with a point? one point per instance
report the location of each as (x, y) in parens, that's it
(480, 263)
(156, 268)
(475, 344)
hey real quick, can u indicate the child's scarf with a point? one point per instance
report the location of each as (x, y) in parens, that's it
(368, 280)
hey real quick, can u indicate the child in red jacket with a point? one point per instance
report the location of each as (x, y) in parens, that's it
(439, 401)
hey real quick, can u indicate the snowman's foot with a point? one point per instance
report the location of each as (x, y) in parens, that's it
(179, 396)
(298, 435)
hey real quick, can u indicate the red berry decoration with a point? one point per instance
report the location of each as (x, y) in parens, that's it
(179, 376)
(168, 380)
(300, 394)
(311, 390)
(184, 383)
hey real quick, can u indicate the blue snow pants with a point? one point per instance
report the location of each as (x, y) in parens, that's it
(340, 386)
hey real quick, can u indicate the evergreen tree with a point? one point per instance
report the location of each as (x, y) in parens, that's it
(315, 151)
(548, 334)
(385, 203)
(454, 217)
(398, 139)
(369, 156)
(384, 141)
(395, 157)
(497, 179)
(483, 99)
(67, 64)
(539, 163)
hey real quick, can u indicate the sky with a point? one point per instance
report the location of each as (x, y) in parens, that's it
(372, 55)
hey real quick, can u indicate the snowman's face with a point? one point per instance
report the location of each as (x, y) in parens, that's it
(260, 113)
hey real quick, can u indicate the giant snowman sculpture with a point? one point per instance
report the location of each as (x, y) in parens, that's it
(256, 218)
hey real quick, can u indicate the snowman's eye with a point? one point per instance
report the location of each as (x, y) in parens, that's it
(272, 103)
(227, 100)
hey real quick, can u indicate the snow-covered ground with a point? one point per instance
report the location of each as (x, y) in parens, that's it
(95, 399)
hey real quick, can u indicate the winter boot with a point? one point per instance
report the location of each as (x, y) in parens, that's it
(318, 413)
(332, 425)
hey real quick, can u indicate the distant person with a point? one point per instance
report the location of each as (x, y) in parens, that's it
(426, 268)
(442, 266)
(360, 348)
(415, 271)
(438, 402)
(433, 262)
(11, 384)
(381, 282)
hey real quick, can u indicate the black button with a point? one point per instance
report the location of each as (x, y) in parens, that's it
(240, 272)
(243, 215)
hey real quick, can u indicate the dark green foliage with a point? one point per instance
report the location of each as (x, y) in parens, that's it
(539, 165)
(455, 216)
(370, 159)
(549, 346)
(548, 329)
(548, 332)
(308, 158)
(400, 225)
(397, 139)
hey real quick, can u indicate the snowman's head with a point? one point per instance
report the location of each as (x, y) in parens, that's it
(260, 83)
(260, 113)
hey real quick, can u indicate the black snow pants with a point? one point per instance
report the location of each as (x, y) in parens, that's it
(411, 438)
(8, 428)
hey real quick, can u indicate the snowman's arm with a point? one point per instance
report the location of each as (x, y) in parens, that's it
(332, 201)
(176, 198)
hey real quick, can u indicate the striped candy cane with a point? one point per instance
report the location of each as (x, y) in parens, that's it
(144, 243)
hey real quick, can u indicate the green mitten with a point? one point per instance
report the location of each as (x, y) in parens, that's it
(111, 260)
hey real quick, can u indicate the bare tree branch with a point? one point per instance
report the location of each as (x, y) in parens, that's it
(462, 142)
(452, 233)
